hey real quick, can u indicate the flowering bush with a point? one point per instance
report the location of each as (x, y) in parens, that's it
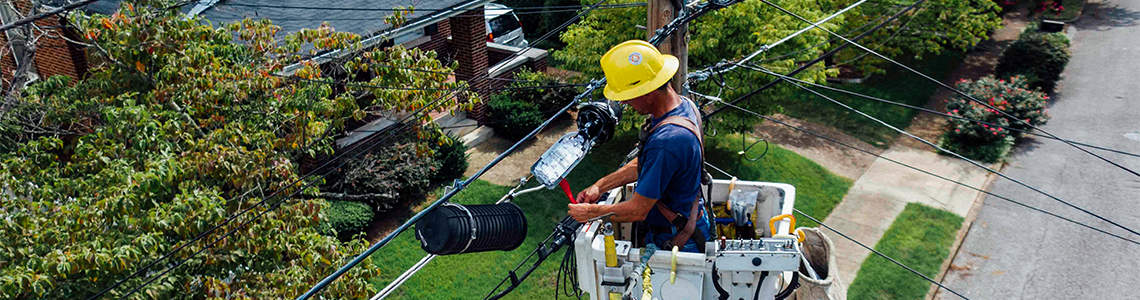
(985, 142)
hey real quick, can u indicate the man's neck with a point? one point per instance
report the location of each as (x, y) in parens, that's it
(669, 100)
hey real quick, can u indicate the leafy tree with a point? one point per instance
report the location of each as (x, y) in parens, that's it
(178, 126)
(734, 32)
(728, 33)
(933, 27)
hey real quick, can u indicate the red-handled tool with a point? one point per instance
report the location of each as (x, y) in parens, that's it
(566, 188)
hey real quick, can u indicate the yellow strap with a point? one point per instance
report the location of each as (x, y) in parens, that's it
(673, 272)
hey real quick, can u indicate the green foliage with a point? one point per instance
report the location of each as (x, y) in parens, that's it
(177, 127)
(933, 27)
(920, 238)
(991, 143)
(387, 176)
(345, 219)
(451, 154)
(513, 119)
(537, 24)
(548, 100)
(1041, 56)
(736, 31)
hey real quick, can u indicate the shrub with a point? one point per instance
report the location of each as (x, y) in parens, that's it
(452, 158)
(345, 219)
(387, 176)
(548, 100)
(513, 119)
(1040, 55)
(991, 143)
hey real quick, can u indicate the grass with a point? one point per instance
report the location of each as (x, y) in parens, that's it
(920, 238)
(1072, 8)
(818, 190)
(468, 276)
(896, 84)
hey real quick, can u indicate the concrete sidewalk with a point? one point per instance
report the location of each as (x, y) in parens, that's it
(878, 196)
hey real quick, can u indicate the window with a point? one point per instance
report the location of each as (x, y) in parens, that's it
(503, 24)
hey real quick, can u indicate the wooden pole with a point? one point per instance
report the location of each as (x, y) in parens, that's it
(660, 12)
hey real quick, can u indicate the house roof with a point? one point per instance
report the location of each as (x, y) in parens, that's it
(361, 22)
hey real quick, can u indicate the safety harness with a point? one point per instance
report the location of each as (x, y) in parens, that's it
(686, 227)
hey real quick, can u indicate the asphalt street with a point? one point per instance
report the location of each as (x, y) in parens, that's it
(1011, 252)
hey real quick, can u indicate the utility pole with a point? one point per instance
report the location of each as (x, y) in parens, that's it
(660, 13)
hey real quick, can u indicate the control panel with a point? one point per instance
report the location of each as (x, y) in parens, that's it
(767, 254)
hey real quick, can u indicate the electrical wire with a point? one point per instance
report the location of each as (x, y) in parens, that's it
(361, 85)
(880, 254)
(880, 156)
(807, 65)
(233, 217)
(959, 156)
(384, 241)
(460, 16)
(956, 91)
(61, 9)
(522, 8)
(935, 112)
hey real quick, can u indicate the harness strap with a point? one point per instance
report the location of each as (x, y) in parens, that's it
(686, 226)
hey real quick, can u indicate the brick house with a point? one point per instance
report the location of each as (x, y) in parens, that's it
(54, 55)
(453, 28)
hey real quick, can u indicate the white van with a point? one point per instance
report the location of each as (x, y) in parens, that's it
(503, 26)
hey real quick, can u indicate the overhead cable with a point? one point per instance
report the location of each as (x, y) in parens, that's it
(816, 60)
(522, 8)
(384, 241)
(880, 156)
(931, 111)
(53, 12)
(956, 91)
(959, 156)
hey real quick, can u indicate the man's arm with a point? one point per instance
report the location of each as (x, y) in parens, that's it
(625, 175)
(636, 209)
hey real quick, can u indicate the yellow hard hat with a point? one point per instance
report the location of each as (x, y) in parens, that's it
(635, 68)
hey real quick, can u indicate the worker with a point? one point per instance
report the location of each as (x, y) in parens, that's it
(668, 167)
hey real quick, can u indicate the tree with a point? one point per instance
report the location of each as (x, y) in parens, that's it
(933, 27)
(731, 33)
(178, 126)
(726, 34)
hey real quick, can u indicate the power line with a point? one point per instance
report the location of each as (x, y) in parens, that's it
(56, 11)
(880, 254)
(931, 111)
(361, 85)
(959, 156)
(563, 7)
(384, 241)
(230, 219)
(832, 140)
(816, 60)
(956, 91)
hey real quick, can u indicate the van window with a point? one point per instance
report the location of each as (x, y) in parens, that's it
(503, 24)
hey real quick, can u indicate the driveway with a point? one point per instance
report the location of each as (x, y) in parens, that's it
(1014, 253)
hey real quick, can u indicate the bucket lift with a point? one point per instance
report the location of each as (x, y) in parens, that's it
(610, 265)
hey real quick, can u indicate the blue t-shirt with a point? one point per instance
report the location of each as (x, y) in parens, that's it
(669, 168)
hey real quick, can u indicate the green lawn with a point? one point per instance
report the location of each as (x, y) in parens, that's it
(920, 238)
(896, 84)
(468, 276)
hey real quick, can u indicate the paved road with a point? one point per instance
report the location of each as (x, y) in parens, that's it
(1015, 253)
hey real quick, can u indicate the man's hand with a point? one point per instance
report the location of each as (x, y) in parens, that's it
(582, 212)
(589, 195)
